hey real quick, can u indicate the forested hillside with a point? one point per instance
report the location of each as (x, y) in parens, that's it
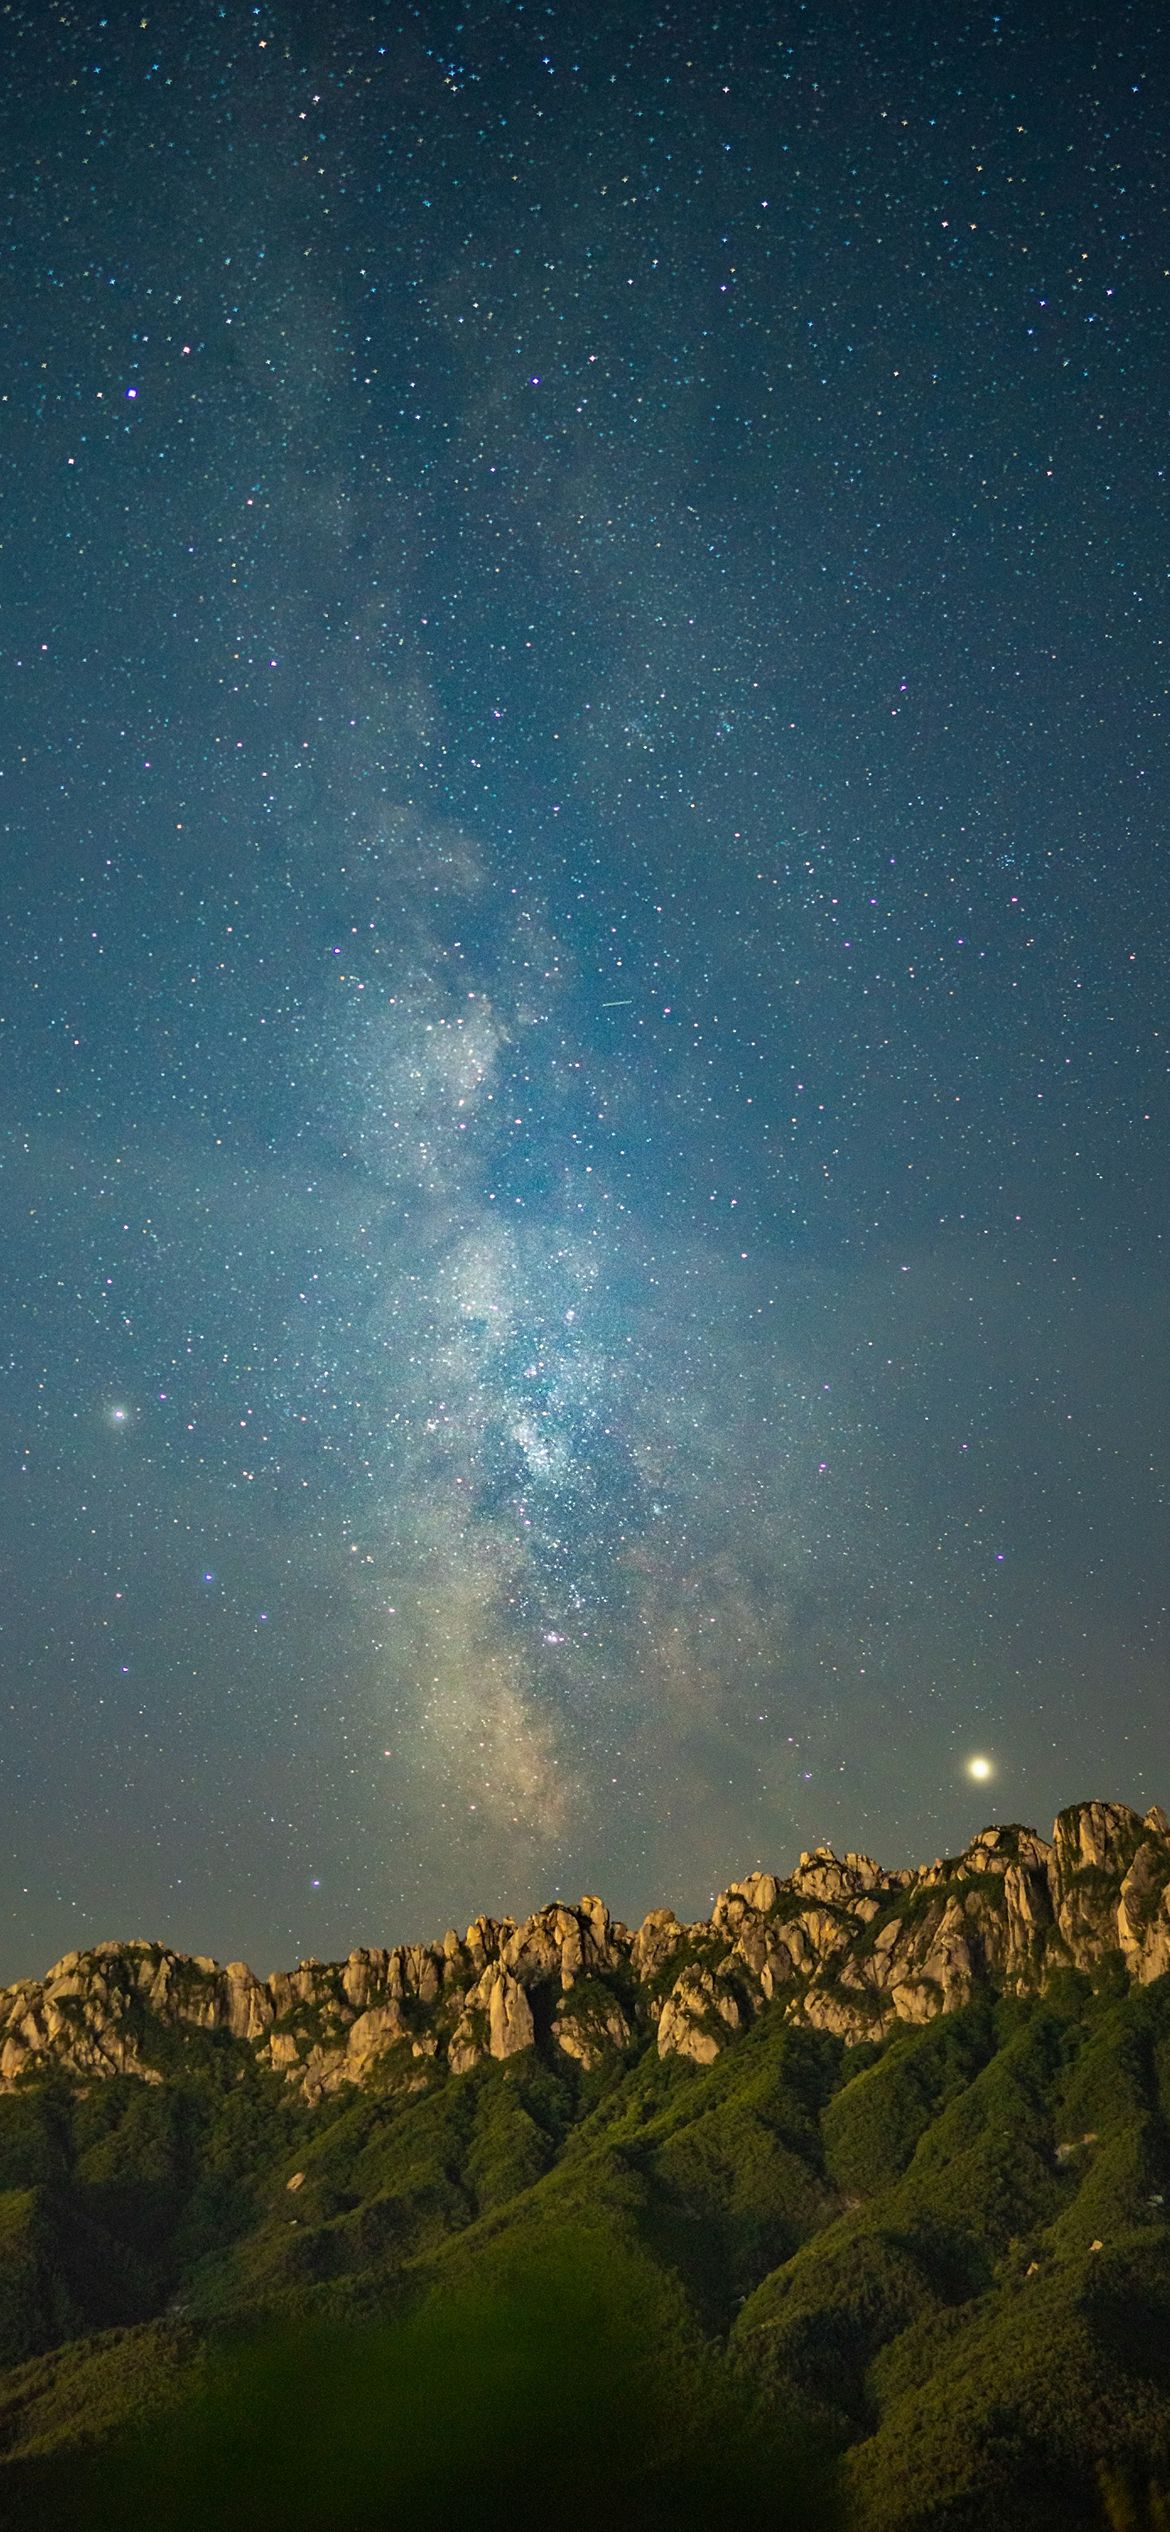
(906, 2282)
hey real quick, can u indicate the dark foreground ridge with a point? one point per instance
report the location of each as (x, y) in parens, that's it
(846, 2207)
(842, 1945)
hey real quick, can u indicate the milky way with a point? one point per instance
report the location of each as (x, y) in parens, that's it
(583, 743)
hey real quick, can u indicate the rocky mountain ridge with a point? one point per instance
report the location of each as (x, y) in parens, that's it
(842, 1944)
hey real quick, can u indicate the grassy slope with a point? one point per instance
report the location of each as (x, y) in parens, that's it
(892, 2246)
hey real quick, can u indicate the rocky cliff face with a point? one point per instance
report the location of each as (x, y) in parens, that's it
(841, 1944)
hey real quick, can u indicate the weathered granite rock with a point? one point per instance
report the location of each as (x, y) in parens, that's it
(742, 1900)
(591, 2031)
(842, 1944)
(496, 2020)
(380, 2028)
(467, 2046)
(249, 2005)
(564, 1944)
(690, 2023)
(658, 1936)
(1028, 1908)
(1093, 1846)
(838, 1879)
(510, 2024)
(1143, 1911)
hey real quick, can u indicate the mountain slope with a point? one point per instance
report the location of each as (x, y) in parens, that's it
(936, 2259)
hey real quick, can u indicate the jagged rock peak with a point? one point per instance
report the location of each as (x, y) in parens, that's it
(842, 1943)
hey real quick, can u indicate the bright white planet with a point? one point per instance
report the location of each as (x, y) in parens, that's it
(980, 1769)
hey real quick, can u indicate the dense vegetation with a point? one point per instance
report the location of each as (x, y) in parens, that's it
(913, 2285)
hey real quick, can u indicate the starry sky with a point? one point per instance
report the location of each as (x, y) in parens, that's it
(583, 750)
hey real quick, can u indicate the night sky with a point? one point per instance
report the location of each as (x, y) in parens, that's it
(584, 1195)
